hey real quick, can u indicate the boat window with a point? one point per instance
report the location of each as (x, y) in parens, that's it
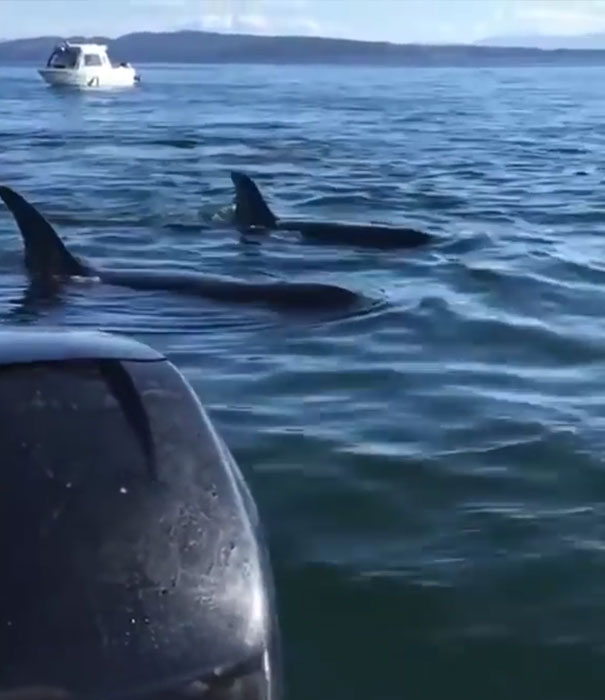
(91, 59)
(63, 58)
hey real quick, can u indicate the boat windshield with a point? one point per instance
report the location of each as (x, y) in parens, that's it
(64, 57)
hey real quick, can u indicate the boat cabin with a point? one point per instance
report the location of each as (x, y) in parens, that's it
(73, 56)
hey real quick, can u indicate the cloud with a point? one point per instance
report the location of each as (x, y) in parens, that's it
(258, 17)
(307, 25)
(561, 17)
(229, 22)
(165, 4)
(260, 24)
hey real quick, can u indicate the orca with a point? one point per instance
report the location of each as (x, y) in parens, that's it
(252, 214)
(49, 264)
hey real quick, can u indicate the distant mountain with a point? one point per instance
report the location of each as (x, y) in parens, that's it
(209, 47)
(548, 42)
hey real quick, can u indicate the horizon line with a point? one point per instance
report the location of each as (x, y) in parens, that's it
(286, 36)
(477, 44)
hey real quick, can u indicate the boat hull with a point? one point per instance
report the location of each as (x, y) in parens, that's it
(115, 77)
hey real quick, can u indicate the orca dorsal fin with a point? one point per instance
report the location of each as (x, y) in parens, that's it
(45, 253)
(251, 210)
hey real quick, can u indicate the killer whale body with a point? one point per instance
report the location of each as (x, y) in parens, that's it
(49, 263)
(253, 214)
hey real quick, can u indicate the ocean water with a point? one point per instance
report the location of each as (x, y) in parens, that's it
(430, 472)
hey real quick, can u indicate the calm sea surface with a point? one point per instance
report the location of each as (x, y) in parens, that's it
(430, 472)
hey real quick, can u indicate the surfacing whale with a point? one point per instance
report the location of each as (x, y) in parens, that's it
(49, 263)
(253, 214)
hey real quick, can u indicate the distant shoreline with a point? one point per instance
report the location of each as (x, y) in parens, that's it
(208, 48)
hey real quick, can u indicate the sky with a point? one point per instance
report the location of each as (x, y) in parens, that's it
(423, 21)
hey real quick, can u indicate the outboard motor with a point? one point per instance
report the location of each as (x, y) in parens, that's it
(132, 564)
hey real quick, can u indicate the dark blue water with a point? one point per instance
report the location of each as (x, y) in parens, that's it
(430, 472)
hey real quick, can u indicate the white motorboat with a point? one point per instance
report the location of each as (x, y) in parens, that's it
(86, 66)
